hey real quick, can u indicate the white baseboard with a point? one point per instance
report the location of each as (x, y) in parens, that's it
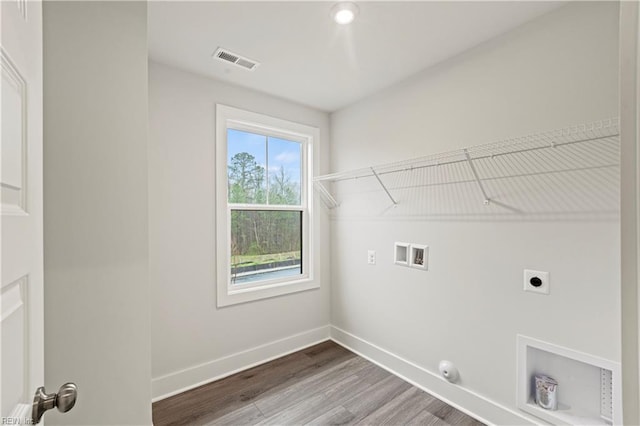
(198, 375)
(465, 400)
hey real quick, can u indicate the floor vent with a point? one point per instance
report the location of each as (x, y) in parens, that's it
(233, 58)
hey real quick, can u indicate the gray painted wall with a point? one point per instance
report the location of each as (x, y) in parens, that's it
(95, 220)
(191, 337)
(558, 70)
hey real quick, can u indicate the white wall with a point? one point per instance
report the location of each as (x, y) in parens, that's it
(556, 71)
(95, 219)
(192, 339)
(630, 211)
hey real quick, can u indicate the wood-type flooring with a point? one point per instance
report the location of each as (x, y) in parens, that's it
(322, 385)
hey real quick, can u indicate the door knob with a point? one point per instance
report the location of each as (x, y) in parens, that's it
(64, 400)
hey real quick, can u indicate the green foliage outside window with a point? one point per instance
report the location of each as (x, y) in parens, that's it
(262, 236)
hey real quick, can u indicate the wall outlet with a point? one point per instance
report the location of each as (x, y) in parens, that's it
(536, 281)
(371, 257)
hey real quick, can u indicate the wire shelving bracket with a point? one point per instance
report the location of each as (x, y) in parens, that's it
(475, 175)
(395, 203)
(329, 200)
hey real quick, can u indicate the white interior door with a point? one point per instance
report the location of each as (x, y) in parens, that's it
(21, 311)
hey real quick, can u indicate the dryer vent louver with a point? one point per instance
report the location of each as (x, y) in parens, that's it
(233, 58)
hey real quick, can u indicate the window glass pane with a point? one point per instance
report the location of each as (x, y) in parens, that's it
(265, 245)
(246, 167)
(284, 173)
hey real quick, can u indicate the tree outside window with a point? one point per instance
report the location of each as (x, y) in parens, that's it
(265, 242)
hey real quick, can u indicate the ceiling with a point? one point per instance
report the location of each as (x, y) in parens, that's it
(306, 57)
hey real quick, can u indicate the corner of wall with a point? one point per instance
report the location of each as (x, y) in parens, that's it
(198, 375)
(461, 398)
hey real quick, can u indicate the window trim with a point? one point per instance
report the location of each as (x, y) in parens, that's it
(230, 117)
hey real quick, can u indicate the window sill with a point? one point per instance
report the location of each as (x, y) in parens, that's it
(229, 297)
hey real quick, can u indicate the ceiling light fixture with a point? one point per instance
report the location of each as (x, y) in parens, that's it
(344, 13)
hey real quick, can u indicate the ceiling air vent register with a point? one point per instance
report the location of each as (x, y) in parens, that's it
(233, 58)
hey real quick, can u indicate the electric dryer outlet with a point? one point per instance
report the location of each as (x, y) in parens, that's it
(536, 281)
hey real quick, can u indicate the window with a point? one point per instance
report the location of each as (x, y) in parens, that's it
(264, 214)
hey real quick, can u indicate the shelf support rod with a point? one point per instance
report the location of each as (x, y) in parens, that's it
(332, 204)
(395, 203)
(475, 175)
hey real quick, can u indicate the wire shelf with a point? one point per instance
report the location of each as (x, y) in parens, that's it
(570, 170)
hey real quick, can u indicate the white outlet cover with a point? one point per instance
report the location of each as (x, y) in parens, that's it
(529, 274)
(371, 257)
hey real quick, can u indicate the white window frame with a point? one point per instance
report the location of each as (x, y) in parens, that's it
(233, 118)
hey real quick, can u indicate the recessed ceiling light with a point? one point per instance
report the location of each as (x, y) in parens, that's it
(344, 13)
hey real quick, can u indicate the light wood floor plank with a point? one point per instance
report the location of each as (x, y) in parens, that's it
(334, 417)
(355, 385)
(247, 415)
(346, 388)
(302, 412)
(373, 374)
(276, 401)
(400, 409)
(425, 418)
(369, 400)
